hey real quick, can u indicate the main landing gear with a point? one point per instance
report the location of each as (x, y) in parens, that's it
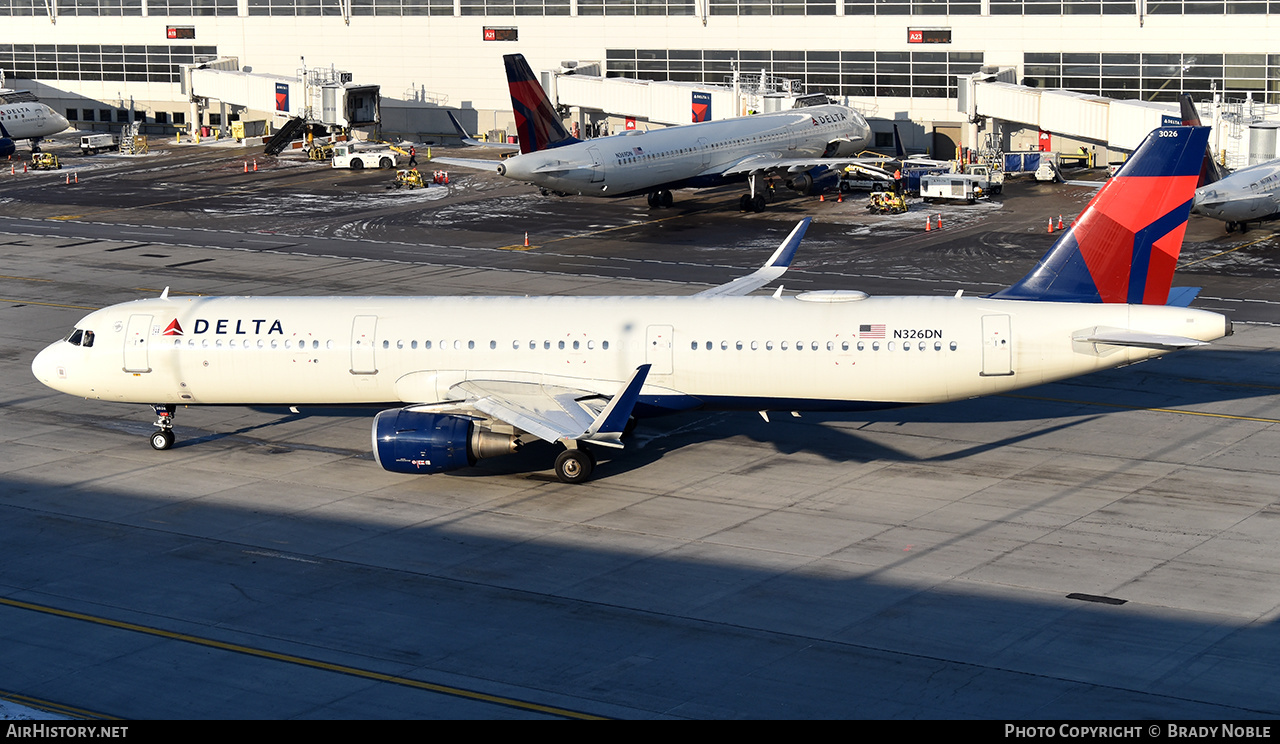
(753, 201)
(574, 465)
(163, 439)
(661, 198)
(1244, 227)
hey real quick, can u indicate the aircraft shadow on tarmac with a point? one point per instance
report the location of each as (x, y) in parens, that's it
(1179, 382)
(849, 641)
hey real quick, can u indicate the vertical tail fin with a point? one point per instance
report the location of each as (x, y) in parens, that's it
(536, 121)
(1210, 170)
(1124, 245)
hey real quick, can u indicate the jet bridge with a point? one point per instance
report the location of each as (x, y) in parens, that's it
(326, 96)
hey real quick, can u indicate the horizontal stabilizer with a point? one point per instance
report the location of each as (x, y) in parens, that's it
(1141, 340)
(473, 163)
(775, 267)
(1182, 296)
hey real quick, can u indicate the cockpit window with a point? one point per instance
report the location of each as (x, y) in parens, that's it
(88, 339)
(80, 337)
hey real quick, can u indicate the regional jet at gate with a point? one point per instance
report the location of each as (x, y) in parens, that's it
(1247, 195)
(470, 377)
(805, 146)
(22, 116)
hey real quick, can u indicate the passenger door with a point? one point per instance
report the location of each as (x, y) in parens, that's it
(997, 346)
(362, 340)
(135, 344)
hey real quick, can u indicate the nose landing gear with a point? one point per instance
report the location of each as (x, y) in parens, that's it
(164, 438)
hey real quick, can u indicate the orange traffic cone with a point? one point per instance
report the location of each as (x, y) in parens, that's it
(1059, 222)
(526, 240)
(939, 222)
(77, 178)
(1050, 226)
(246, 166)
(68, 179)
(255, 165)
(840, 198)
(822, 197)
(928, 224)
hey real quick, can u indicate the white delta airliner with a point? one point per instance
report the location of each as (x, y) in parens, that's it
(470, 377)
(804, 146)
(1250, 194)
(22, 116)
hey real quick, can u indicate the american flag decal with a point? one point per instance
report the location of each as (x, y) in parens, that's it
(871, 331)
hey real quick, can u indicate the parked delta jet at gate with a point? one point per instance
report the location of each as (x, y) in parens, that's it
(1250, 194)
(802, 145)
(22, 116)
(471, 377)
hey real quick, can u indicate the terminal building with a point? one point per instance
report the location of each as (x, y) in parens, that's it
(105, 62)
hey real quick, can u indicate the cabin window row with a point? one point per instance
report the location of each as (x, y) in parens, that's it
(817, 346)
(274, 343)
(516, 345)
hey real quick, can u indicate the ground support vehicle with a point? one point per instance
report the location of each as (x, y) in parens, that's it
(346, 155)
(887, 202)
(410, 179)
(45, 161)
(92, 144)
(953, 187)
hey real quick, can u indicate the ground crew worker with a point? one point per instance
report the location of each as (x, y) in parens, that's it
(413, 157)
(897, 181)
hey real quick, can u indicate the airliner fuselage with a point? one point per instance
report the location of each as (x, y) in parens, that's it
(1248, 195)
(813, 351)
(692, 155)
(26, 118)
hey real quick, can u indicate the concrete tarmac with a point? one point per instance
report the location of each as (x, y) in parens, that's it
(1100, 548)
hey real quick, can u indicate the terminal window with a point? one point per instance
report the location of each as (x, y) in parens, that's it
(108, 62)
(918, 7)
(849, 73)
(1156, 77)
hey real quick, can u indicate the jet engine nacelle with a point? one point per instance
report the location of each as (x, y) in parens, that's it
(819, 180)
(7, 147)
(418, 443)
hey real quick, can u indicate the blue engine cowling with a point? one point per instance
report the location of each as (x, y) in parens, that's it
(418, 443)
(7, 147)
(816, 181)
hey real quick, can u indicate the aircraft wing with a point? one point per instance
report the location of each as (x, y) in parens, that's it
(766, 164)
(549, 412)
(473, 142)
(777, 264)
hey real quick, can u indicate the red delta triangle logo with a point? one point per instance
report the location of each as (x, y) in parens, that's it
(173, 329)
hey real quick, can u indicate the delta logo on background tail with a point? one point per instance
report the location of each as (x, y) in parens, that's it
(536, 122)
(1124, 245)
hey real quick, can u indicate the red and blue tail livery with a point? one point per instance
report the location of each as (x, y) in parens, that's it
(1124, 245)
(536, 121)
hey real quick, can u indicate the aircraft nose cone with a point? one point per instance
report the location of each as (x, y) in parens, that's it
(45, 366)
(50, 368)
